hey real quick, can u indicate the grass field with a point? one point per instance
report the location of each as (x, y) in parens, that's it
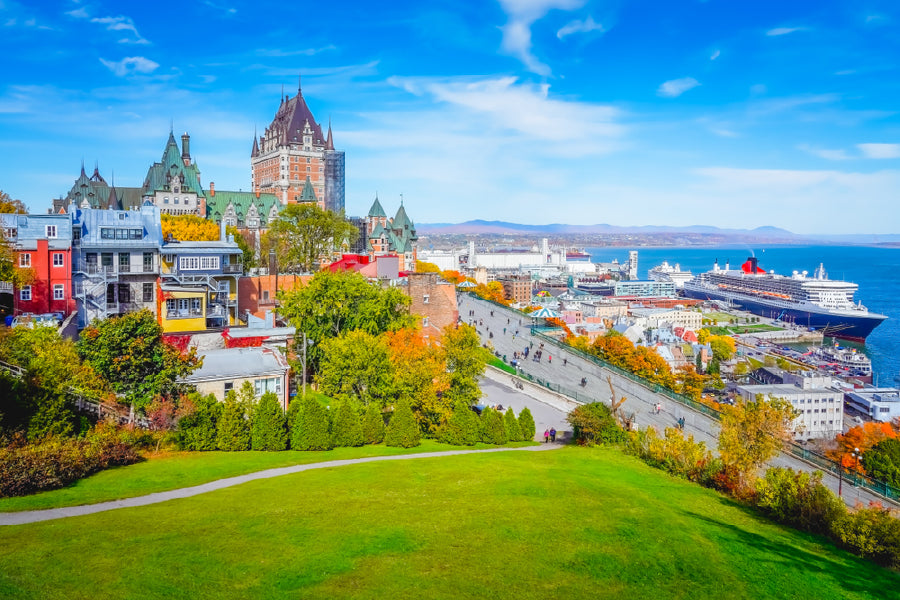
(174, 470)
(735, 329)
(569, 523)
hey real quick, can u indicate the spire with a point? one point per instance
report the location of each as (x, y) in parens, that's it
(308, 194)
(329, 143)
(299, 84)
(377, 210)
(282, 93)
(83, 174)
(255, 151)
(113, 201)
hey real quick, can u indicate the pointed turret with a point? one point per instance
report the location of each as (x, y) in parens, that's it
(83, 174)
(329, 143)
(401, 220)
(113, 201)
(308, 194)
(255, 151)
(376, 211)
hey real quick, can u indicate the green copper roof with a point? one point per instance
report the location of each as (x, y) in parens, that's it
(308, 194)
(217, 205)
(171, 168)
(376, 210)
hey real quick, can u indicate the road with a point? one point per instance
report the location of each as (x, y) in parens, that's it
(567, 369)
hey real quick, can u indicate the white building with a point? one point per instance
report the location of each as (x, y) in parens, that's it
(225, 370)
(882, 404)
(657, 317)
(814, 397)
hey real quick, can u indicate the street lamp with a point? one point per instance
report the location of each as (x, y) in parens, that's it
(856, 456)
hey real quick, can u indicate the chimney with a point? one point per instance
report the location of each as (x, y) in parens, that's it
(222, 236)
(212, 189)
(257, 191)
(186, 148)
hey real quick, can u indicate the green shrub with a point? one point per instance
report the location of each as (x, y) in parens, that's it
(513, 433)
(462, 428)
(594, 424)
(346, 431)
(402, 431)
(311, 431)
(674, 453)
(882, 461)
(197, 429)
(373, 425)
(269, 428)
(493, 429)
(233, 427)
(26, 468)
(526, 425)
(799, 499)
(872, 533)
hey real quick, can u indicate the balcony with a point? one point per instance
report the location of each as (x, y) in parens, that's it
(233, 269)
(94, 268)
(189, 313)
(124, 268)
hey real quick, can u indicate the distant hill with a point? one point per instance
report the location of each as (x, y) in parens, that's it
(504, 227)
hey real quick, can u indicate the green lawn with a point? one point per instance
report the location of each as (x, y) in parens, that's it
(569, 523)
(185, 469)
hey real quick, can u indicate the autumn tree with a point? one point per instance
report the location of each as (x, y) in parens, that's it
(859, 440)
(304, 235)
(189, 228)
(332, 303)
(418, 376)
(245, 242)
(752, 432)
(465, 363)
(356, 365)
(491, 291)
(402, 431)
(8, 205)
(128, 352)
(269, 428)
(454, 277)
(690, 383)
(426, 267)
(723, 347)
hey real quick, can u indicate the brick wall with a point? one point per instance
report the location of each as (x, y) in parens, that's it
(434, 300)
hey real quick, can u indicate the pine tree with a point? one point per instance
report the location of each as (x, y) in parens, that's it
(373, 425)
(233, 428)
(310, 430)
(526, 425)
(462, 428)
(293, 411)
(269, 430)
(493, 430)
(197, 429)
(402, 431)
(347, 429)
(513, 433)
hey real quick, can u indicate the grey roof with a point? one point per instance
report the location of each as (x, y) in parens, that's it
(239, 362)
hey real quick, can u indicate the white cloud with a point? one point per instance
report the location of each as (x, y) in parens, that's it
(782, 31)
(825, 153)
(758, 89)
(228, 10)
(78, 13)
(880, 150)
(676, 87)
(130, 65)
(279, 53)
(517, 31)
(121, 23)
(716, 53)
(578, 26)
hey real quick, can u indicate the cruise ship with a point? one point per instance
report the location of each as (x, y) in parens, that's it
(815, 302)
(666, 272)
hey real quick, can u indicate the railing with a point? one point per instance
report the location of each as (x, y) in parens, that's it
(6, 287)
(95, 269)
(826, 464)
(124, 268)
(232, 269)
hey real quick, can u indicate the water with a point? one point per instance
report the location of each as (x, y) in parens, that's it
(875, 270)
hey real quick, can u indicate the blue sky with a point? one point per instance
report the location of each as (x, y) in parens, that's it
(671, 112)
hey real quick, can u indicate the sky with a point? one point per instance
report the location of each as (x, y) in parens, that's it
(730, 113)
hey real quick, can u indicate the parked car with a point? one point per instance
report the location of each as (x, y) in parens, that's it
(31, 321)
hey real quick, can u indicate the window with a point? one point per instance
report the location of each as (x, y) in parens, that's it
(265, 296)
(425, 322)
(50, 230)
(425, 298)
(148, 262)
(124, 262)
(166, 200)
(59, 291)
(76, 234)
(107, 233)
(269, 384)
(229, 386)
(58, 260)
(25, 260)
(188, 263)
(209, 262)
(25, 293)
(147, 292)
(176, 200)
(124, 293)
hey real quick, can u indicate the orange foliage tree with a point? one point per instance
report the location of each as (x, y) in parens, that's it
(492, 291)
(419, 377)
(557, 322)
(454, 277)
(861, 437)
(189, 228)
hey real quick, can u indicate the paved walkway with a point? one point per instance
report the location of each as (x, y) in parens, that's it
(34, 516)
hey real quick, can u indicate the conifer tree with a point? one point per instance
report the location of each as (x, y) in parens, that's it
(310, 430)
(373, 425)
(269, 430)
(526, 425)
(402, 431)
(513, 433)
(197, 428)
(462, 428)
(233, 428)
(293, 411)
(347, 429)
(493, 430)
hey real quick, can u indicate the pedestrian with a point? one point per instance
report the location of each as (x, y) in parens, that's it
(546, 435)
(550, 358)
(504, 331)
(552, 434)
(565, 360)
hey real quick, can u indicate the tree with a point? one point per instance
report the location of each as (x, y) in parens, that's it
(703, 336)
(129, 352)
(245, 242)
(691, 382)
(465, 363)
(462, 428)
(269, 429)
(426, 267)
(859, 440)
(332, 303)
(373, 425)
(304, 235)
(8, 205)
(233, 428)
(723, 347)
(492, 291)
(753, 432)
(189, 228)
(311, 430)
(402, 431)
(346, 431)
(882, 461)
(419, 376)
(197, 426)
(493, 429)
(454, 277)
(526, 425)
(594, 424)
(513, 433)
(355, 365)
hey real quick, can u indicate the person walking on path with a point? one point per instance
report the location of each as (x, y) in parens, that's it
(553, 434)
(546, 435)
(550, 358)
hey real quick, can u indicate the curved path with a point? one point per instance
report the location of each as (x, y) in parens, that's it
(34, 516)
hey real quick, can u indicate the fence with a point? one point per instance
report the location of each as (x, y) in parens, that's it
(822, 462)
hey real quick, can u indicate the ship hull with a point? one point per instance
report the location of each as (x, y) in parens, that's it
(839, 325)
